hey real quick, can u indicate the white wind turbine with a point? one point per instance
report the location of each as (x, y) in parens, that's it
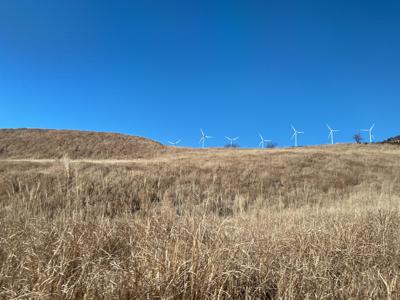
(295, 135)
(175, 143)
(203, 138)
(262, 143)
(331, 133)
(232, 139)
(371, 137)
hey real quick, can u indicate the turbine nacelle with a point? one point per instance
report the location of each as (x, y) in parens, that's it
(262, 143)
(204, 137)
(295, 134)
(331, 133)
(232, 139)
(371, 136)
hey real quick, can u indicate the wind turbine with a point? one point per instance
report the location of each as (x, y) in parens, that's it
(331, 133)
(371, 137)
(295, 135)
(175, 143)
(232, 139)
(203, 138)
(262, 143)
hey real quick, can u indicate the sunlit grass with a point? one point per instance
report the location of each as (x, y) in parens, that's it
(312, 223)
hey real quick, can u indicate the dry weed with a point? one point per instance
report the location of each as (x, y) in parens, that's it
(281, 224)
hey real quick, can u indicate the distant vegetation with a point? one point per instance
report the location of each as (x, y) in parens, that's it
(358, 138)
(232, 145)
(393, 141)
(271, 145)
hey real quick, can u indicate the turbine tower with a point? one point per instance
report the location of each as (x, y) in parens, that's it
(232, 139)
(175, 143)
(203, 138)
(295, 135)
(262, 143)
(331, 133)
(371, 137)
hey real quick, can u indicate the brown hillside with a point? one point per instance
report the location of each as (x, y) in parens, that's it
(44, 143)
(304, 223)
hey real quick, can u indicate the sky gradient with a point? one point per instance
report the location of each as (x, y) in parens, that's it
(164, 69)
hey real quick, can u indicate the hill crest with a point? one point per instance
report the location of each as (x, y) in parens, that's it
(393, 140)
(54, 143)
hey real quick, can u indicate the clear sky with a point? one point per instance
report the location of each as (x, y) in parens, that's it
(163, 69)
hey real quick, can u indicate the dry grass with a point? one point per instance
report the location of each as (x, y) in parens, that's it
(311, 223)
(44, 143)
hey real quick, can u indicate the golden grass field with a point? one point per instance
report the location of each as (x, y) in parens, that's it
(307, 223)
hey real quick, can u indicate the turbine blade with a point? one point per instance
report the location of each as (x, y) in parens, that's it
(294, 129)
(202, 132)
(328, 127)
(261, 137)
(178, 141)
(372, 127)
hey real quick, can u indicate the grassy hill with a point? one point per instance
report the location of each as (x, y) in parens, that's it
(393, 141)
(305, 223)
(43, 143)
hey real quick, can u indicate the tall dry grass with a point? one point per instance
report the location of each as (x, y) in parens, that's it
(317, 223)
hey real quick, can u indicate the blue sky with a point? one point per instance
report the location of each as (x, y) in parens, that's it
(163, 69)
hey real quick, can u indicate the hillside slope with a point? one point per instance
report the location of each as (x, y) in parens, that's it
(300, 223)
(44, 143)
(221, 177)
